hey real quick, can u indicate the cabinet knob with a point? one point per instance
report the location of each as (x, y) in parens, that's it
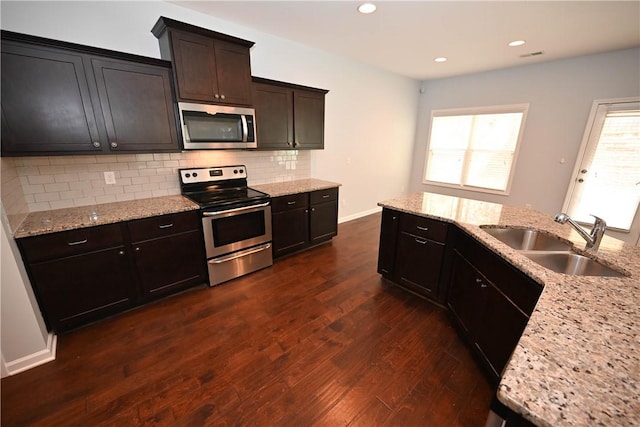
(478, 280)
(137, 249)
(295, 144)
(216, 96)
(114, 145)
(581, 180)
(120, 253)
(96, 144)
(222, 97)
(289, 144)
(313, 209)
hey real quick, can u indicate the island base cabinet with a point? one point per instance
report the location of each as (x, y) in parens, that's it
(418, 265)
(388, 241)
(83, 288)
(483, 307)
(413, 253)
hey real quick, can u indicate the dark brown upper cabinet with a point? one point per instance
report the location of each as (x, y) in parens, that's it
(63, 98)
(209, 66)
(288, 116)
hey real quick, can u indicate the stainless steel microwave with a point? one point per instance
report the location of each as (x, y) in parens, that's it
(207, 127)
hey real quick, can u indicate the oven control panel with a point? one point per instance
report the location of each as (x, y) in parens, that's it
(213, 174)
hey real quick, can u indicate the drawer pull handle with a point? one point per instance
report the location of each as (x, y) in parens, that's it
(79, 242)
(478, 280)
(165, 226)
(291, 203)
(422, 228)
(325, 196)
(421, 241)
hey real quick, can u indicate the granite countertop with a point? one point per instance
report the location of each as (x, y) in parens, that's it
(52, 221)
(578, 360)
(293, 187)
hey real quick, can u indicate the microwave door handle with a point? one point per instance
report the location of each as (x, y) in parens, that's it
(245, 129)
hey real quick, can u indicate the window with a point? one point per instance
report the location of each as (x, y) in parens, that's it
(606, 179)
(474, 149)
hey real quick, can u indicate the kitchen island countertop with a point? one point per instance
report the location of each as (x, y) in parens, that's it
(578, 360)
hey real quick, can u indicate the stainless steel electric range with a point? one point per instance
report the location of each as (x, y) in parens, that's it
(236, 220)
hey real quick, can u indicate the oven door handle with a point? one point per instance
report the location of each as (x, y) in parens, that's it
(244, 208)
(239, 254)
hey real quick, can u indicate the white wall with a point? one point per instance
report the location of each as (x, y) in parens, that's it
(25, 341)
(370, 114)
(560, 95)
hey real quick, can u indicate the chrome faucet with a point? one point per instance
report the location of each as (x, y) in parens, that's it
(594, 237)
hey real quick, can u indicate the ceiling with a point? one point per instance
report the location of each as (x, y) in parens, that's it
(404, 37)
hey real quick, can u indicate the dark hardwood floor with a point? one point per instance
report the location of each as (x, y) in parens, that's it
(317, 339)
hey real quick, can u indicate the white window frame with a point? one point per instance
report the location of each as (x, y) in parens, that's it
(495, 109)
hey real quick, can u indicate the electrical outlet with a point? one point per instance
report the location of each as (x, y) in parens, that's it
(110, 178)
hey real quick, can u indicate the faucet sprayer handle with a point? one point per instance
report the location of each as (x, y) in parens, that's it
(561, 218)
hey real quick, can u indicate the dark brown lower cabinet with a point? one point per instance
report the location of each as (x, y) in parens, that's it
(419, 263)
(168, 253)
(86, 274)
(489, 300)
(413, 253)
(82, 288)
(303, 220)
(482, 303)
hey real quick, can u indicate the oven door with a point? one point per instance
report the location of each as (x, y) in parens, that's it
(235, 229)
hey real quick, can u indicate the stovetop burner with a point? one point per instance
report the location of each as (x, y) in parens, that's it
(219, 187)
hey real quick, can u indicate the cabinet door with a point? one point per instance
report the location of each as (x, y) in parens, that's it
(170, 264)
(388, 241)
(502, 326)
(308, 117)
(274, 116)
(194, 63)
(323, 222)
(233, 69)
(46, 106)
(290, 231)
(466, 297)
(137, 106)
(78, 289)
(419, 263)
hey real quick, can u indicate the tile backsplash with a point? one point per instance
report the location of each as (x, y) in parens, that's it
(66, 181)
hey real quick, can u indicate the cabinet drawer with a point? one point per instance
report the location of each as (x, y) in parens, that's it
(73, 242)
(321, 196)
(164, 225)
(424, 227)
(289, 202)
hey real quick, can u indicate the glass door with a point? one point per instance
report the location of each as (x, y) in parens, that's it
(607, 173)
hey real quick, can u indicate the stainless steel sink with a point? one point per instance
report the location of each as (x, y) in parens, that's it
(572, 263)
(527, 239)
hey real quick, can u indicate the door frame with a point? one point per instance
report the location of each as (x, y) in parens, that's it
(633, 235)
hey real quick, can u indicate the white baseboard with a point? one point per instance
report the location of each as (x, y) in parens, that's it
(359, 215)
(36, 359)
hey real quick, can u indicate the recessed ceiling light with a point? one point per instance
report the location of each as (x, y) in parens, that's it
(367, 8)
(441, 59)
(516, 43)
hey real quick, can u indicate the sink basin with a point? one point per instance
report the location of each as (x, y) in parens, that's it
(528, 239)
(572, 263)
